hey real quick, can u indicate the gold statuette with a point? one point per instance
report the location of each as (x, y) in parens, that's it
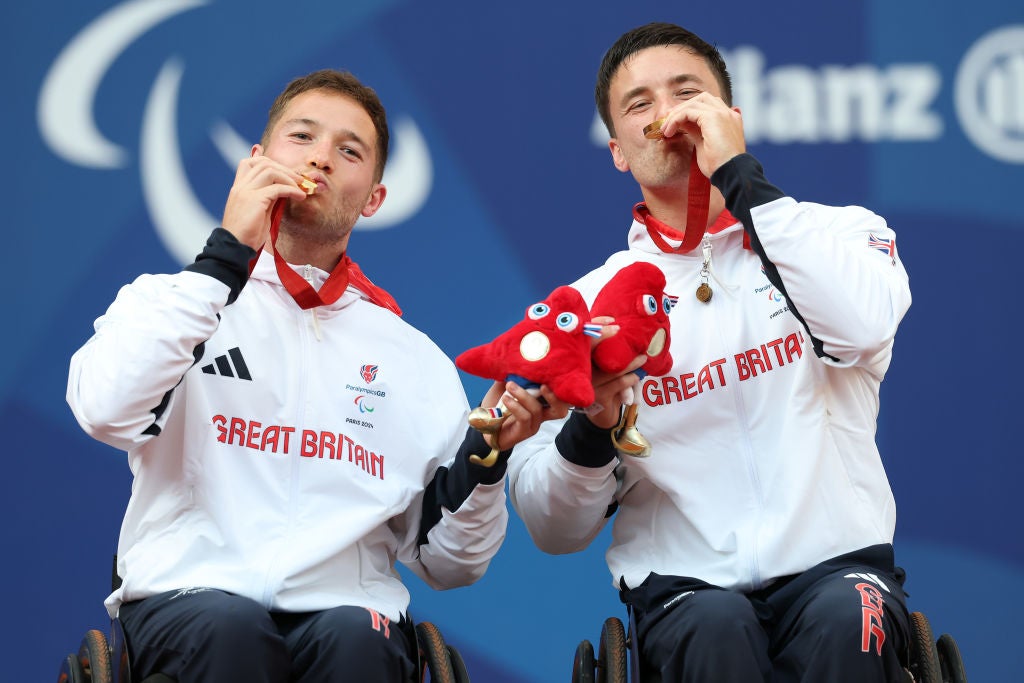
(626, 438)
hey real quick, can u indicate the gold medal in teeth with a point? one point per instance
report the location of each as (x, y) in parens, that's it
(652, 131)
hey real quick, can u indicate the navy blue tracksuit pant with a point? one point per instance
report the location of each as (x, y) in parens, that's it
(844, 620)
(201, 635)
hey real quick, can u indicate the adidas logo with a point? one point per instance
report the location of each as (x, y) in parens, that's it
(869, 577)
(230, 365)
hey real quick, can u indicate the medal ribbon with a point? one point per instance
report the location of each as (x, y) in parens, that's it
(337, 282)
(698, 197)
(697, 204)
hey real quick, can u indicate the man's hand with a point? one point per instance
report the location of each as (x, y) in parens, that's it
(715, 130)
(259, 183)
(526, 412)
(610, 389)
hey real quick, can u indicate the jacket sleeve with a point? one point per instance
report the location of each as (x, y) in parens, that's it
(121, 381)
(453, 529)
(562, 483)
(838, 268)
(463, 518)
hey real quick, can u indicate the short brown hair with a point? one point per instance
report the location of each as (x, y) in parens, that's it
(655, 35)
(346, 84)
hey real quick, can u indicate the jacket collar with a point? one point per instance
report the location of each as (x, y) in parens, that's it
(652, 235)
(359, 286)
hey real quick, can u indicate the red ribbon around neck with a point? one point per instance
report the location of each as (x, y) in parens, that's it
(337, 282)
(698, 201)
(698, 197)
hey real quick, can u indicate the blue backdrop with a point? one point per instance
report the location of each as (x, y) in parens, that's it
(125, 120)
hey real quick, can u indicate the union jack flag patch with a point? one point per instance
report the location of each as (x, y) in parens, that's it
(887, 247)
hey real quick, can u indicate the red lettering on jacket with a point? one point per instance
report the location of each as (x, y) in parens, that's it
(771, 355)
(758, 360)
(658, 391)
(313, 444)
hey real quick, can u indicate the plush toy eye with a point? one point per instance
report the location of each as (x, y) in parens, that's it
(538, 311)
(667, 304)
(567, 322)
(650, 304)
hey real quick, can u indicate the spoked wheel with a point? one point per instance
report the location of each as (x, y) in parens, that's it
(583, 663)
(611, 657)
(434, 652)
(924, 655)
(950, 662)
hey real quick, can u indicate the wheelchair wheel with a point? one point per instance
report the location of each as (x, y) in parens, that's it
(434, 652)
(94, 656)
(949, 660)
(458, 665)
(611, 657)
(924, 655)
(71, 671)
(583, 663)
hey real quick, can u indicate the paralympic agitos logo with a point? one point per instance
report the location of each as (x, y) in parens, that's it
(66, 122)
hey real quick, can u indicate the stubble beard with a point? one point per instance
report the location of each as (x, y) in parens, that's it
(318, 228)
(655, 167)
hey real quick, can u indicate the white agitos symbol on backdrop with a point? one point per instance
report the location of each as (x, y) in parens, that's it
(65, 116)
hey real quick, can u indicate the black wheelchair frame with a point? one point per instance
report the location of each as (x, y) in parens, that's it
(928, 660)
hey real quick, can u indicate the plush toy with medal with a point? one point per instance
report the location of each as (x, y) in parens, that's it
(635, 296)
(550, 345)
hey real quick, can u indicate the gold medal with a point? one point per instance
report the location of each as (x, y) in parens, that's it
(652, 131)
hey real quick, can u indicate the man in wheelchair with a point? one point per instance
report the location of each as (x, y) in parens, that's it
(755, 543)
(290, 436)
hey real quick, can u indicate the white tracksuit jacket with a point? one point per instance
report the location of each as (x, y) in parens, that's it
(281, 454)
(764, 461)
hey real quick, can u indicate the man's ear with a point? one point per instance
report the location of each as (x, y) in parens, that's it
(617, 158)
(374, 201)
(256, 151)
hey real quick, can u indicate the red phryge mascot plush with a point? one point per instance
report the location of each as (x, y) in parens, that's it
(549, 346)
(635, 297)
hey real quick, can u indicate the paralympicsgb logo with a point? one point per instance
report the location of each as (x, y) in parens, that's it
(989, 94)
(369, 373)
